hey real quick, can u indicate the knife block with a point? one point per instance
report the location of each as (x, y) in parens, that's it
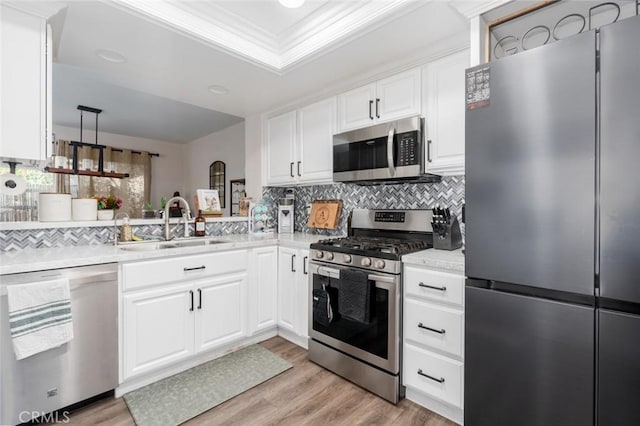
(451, 239)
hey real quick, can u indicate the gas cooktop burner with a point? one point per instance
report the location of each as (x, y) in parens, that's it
(370, 245)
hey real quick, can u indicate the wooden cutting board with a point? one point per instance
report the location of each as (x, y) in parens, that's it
(325, 214)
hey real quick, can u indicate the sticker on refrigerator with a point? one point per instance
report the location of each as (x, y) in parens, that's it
(478, 87)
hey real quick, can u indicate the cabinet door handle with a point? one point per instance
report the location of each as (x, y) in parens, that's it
(299, 168)
(441, 331)
(443, 288)
(440, 380)
(199, 298)
(197, 268)
(191, 294)
(291, 169)
(429, 159)
(377, 107)
(304, 265)
(370, 113)
(293, 258)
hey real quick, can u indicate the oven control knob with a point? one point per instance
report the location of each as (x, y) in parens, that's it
(329, 256)
(379, 264)
(346, 258)
(319, 254)
(365, 261)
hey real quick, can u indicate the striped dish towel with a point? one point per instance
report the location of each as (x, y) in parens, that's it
(39, 316)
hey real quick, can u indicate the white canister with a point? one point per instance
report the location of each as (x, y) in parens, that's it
(84, 209)
(54, 207)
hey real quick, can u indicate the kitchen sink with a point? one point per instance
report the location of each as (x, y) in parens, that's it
(160, 245)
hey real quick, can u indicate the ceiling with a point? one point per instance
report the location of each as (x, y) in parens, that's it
(166, 60)
(129, 112)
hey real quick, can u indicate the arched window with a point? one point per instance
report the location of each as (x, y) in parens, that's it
(217, 176)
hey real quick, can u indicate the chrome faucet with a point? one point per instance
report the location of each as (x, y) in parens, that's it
(185, 217)
(115, 226)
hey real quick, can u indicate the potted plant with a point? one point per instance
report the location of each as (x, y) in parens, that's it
(163, 205)
(148, 212)
(107, 206)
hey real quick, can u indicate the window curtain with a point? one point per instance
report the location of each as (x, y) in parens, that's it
(135, 191)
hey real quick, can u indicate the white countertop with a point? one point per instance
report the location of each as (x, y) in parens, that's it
(439, 259)
(30, 260)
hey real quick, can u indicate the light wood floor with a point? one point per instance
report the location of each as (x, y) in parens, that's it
(303, 395)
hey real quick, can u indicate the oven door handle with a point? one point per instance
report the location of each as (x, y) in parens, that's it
(335, 273)
(390, 162)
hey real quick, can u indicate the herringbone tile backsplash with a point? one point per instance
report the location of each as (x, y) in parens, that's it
(447, 193)
(83, 236)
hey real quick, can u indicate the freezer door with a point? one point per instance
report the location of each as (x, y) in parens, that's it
(620, 152)
(528, 361)
(619, 369)
(530, 170)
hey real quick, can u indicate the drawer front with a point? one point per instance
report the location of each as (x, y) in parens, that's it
(434, 285)
(436, 326)
(446, 375)
(153, 272)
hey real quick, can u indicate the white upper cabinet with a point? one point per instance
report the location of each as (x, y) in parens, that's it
(444, 109)
(316, 124)
(300, 145)
(281, 139)
(394, 97)
(25, 67)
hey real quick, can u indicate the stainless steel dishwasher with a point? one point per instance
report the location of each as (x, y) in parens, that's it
(80, 369)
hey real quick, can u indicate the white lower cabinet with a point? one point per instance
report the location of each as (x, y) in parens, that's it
(293, 294)
(220, 310)
(190, 305)
(157, 328)
(433, 340)
(263, 288)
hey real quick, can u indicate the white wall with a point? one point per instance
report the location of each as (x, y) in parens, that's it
(227, 145)
(253, 157)
(166, 170)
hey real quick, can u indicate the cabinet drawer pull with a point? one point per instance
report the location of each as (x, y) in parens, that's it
(440, 380)
(432, 287)
(304, 265)
(293, 259)
(441, 331)
(291, 169)
(195, 269)
(299, 162)
(370, 113)
(191, 294)
(378, 107)
(199, 298)
(429, 159)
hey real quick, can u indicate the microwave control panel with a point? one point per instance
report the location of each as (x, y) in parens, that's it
(408, 149)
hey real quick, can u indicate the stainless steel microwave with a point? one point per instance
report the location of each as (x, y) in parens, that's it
(385, 153)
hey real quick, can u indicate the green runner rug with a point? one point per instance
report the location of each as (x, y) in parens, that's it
(178, 398)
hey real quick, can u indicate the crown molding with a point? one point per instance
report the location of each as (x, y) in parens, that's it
(473, 8)
(214, 25)
(41, 9)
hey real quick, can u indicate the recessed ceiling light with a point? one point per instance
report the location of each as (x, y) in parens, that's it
(218, 90)
(111, 56)
(291, 4)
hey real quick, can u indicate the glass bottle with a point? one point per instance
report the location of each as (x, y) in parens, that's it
(201, 225)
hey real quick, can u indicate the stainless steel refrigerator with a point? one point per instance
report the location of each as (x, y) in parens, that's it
(553, 234)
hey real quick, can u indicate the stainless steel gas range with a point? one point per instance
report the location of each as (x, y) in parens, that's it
(355, 324)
